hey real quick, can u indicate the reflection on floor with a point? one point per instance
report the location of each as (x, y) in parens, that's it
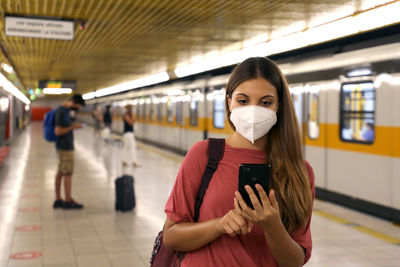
(33, 234)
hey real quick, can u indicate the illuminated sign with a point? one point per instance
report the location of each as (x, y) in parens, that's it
(39, 27)
(57, 84)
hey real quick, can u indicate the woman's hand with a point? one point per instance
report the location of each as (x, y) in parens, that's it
(265, 214)
(234, 224)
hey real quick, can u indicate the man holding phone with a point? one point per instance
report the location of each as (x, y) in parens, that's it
(65, 150)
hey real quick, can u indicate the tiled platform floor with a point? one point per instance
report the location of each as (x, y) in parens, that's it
(98, 236)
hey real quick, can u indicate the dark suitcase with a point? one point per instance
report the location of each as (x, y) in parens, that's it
(124, 193)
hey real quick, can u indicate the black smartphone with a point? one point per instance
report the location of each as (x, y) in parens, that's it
(252, 174)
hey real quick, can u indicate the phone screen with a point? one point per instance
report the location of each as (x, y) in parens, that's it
(252, 174)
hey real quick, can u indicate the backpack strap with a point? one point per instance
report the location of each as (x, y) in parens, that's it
(216, 149)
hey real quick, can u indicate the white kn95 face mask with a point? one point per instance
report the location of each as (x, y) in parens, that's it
(253, 122)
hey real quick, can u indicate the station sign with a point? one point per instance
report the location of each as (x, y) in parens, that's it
(37, 27)
(57, 84)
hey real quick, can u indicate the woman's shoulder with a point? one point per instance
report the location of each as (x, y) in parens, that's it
(197, 155)
(308, 165)
(199, 148)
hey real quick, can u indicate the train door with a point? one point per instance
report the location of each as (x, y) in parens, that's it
(207, 111)
(394, 87)
(4, 117)
(179, 117)
(297, 93)
(143, 116)
(193, 110)
(315, 131)
(152, 132)
(217, 125)
(219, 121)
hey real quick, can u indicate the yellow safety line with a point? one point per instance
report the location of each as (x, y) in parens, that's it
(377, 234)
(331, 217)
(360, 228)
(320, 213)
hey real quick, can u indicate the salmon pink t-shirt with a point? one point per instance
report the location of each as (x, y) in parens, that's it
(249, 250)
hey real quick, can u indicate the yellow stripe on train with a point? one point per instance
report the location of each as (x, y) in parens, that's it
(386, 143)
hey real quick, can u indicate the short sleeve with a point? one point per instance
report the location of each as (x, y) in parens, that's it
(303, 235)
(60, 119)
(180, 204)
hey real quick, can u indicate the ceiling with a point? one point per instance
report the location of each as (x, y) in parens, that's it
(128, 39)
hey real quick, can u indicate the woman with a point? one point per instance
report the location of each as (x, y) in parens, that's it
(228, 233)
(96, 120)
(129, 152)
(107, 119)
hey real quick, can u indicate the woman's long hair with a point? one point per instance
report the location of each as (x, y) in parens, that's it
(284, 148)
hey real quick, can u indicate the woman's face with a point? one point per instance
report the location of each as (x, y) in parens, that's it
(256, 91)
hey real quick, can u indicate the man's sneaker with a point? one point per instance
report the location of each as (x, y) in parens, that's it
(58, 204)
(72, 205)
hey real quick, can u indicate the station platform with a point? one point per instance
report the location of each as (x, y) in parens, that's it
(32, 233)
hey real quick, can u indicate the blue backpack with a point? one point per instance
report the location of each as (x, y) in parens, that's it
(49, 125)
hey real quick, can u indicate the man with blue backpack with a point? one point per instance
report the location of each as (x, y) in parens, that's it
(59, 128)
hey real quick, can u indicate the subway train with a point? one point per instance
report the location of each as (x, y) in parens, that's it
(14, 114)
(348, 107)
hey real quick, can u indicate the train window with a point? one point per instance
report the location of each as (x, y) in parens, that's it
(219, 111)
(170, 115)
(179, 117)
(137, 111)
(4, 103)
(313, 119)
(193, 112)
(357, 112)
(297, 96)
(151, 113)
(159, 112)
(144, 111)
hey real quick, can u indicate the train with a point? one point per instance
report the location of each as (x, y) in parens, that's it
(14, 113)
(347, 104)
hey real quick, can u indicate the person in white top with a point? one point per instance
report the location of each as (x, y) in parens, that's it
(129, 154)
